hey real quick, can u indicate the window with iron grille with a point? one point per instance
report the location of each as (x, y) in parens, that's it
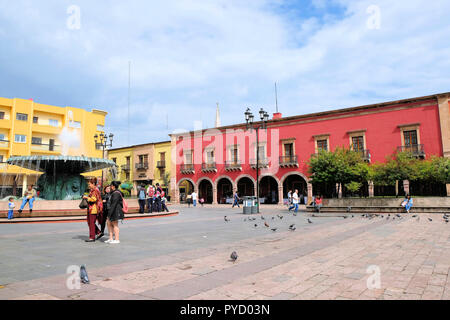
(35, 119)
(358, 143)
(20, 138)
(22, 116)
(36, 140)
(322, 145)
(410, 138)
(2, 115)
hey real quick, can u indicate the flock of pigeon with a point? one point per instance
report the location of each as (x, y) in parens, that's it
(292, 227)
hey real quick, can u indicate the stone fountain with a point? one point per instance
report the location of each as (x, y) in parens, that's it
(61, 178)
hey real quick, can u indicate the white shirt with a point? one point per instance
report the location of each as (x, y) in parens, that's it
(194, 196)
(295, 198)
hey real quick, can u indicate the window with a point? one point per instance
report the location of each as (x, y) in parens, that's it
(22, 117)
(210, 156)
(162, 173)
(20, 138)
(2, 137)
(358, 143)
(53, 122)
(98, 146)
(35, 140)
(100, 127)
(143, 159)
(322, 145)
(410, 138)
(162, 156)
(1, 159)
(128, 161)
(2, 115)
(188, 157)
(234, 155)
(75, 124)
(288, 150)
(35, 119)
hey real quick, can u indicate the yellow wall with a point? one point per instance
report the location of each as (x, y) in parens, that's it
(121, 155)
(10, 126)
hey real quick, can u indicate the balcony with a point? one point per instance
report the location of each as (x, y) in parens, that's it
(125, 167)
(263, 163)
(4, 144)
(141, 166)
(233, 166)
(417, 150)
(365, 154)
(209, 167)
(187, 169)
(45, 147)
(288, 162)
(161, 164)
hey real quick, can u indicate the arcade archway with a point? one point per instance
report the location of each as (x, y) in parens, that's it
(245, 187)
(205, 190)
(268, 189)
(295, 182)
(185, 187)
(224, 190)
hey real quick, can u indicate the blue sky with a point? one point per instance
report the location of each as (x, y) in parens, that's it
(187, 55)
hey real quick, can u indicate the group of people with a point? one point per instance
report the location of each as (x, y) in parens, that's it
(294, 200)
(154, 197)
(106, 210)
(29, 197)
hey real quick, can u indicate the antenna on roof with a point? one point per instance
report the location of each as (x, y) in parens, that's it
(276, 97)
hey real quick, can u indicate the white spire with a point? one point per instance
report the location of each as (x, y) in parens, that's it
(217, 116)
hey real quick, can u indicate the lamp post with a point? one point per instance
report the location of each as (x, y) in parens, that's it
(102, 141)
(249, 117)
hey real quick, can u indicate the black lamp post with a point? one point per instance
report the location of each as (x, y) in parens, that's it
(102, 141)
(264, 116)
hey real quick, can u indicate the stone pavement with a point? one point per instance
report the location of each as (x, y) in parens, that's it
(187, 257)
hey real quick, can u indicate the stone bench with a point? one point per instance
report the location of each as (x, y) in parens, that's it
(379, 209)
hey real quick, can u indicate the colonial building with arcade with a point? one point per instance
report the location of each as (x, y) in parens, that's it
(216, 162)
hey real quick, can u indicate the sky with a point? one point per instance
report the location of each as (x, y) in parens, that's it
(188, 55)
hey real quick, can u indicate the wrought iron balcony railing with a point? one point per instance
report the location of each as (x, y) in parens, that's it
(417, 150)
(141, 166)
(263, 163)
(45, 147)
(233, 165)
(125, 167)
(209, 167)
(365, 154)
(161, 164)
(288, 161)
(187, 168)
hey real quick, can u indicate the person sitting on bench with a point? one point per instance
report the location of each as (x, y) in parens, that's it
(407, 203)
(318, 203)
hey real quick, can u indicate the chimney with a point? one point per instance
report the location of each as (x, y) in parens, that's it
(277, 115)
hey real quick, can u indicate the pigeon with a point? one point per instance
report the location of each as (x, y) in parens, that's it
(345, 217)
(274, 229)
(273, 218)
(225, 218)
(414, 216)
(293, 229)
(398, 216)
(262, 218)
(353, 216)
(266, 225)
(429, 219)
(382, 217)
(83, 274)
(389, 215)
(309, 221)
(256, 225)
(349, 209)
(281, 218)
(292, 225)
(234, 256)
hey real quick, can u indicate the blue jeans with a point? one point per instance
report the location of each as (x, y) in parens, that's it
(294, 205)
(236, 203)
(10, 214)
(30, 202)
(195, 203)
(408, 206)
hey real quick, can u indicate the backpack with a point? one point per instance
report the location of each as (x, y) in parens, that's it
(124, 203)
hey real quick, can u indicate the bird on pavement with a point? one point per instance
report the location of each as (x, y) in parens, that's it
(234, 256)
(309, 221)
(429, 219)
(225, 218)
(83, 274)
(345, 217)
(414, 216)
(266, 224)
(256, 225)
(273, 218)
(262, 218)
(274, 229)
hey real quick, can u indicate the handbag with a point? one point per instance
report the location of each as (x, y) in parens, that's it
(84, 204)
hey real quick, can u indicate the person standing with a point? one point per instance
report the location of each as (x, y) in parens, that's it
(115, 213)
(289, 198)
(163, 202)
(150, 194)
(194, 198)
(141, 199)
(158, 197)
(105, 197)
(30, 196)
(236, 200)
(295, 199)
(95, 205)
(11, 207)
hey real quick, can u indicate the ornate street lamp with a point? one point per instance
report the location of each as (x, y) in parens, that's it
(102, 142)
(249, 117)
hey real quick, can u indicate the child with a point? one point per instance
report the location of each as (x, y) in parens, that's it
(202, 201)
(11, 207)
(163, 203)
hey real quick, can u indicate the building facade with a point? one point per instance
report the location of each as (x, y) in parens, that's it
(216, 162)
(29, 128)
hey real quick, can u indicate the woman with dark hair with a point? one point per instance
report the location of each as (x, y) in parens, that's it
(95, 206)
(115, 212)
(105, 197)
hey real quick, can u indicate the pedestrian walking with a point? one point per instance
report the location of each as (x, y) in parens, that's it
(163, 202)
(289, 195)
(194, 198)
(11, 206)
(29, 197)
(295, 199)
(95, 206)
(236, 200)
(115, 213)
(150, 194)
(142, 199)
(157, 198)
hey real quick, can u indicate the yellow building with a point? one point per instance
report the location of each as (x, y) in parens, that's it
(29, 128)
(144, 164)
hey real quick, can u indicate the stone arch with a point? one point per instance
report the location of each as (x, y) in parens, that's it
(305, 185)
(206, 192)
(294, 172)
(223, 191)
(246, 189)
(270, 175)
(269, 189)
(222, 177)
(245, 176)
(186, 179)
(180, 195)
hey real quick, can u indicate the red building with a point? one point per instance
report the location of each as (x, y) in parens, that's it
(215, 162)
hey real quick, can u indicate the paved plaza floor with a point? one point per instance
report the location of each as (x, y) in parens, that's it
(187, 256)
